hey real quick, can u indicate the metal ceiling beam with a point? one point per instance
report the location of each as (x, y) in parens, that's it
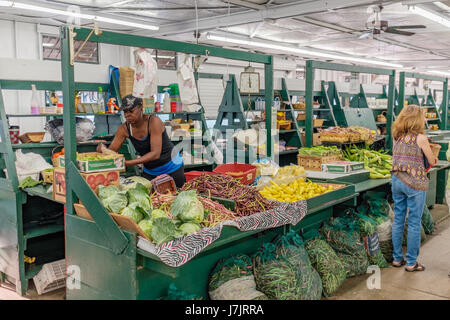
(251, 16)
(245, 4)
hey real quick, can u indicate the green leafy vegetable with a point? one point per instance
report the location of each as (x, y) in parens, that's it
(134, 211)
(163, 231)
(28, 182)
(146, 225)
(140, 195)
(188, 228)
(116, 202)
(105, 192)
(187, 207)
(131, 183)
(158, 213)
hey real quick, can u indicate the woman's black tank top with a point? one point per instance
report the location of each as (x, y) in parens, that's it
(143, 147)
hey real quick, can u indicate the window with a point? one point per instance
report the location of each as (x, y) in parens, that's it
(51, 47)
(165, 59)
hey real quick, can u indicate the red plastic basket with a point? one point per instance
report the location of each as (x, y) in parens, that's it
(194, 174)
(248, 171)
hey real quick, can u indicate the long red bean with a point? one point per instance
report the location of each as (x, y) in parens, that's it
(248, 199)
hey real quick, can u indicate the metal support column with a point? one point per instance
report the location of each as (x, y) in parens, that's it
(309, 103)
(268, 90)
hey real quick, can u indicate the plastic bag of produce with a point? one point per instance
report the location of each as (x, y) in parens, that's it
(342, 235)
(384, 230)
(325, 260)
(84, 129)
(187, 207)
(131, 183)
(427, 221)
(368, 231)
(232, 279)
(283, 271)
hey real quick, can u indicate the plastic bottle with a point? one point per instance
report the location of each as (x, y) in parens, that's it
(166, 101)
(101, 101)
(35, 107)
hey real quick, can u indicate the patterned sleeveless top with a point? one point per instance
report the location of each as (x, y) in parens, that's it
(408, 163)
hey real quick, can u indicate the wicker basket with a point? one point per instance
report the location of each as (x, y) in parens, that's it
(284, 126)
(318, 122)
(299, 106)
(55, 162)
(315, 163)
(32, 137)
(334, 137)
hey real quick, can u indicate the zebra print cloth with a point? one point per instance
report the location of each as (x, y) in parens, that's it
(177, 252)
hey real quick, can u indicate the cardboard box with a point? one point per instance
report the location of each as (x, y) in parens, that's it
(87, 166)
(94, 179)
(342, 166)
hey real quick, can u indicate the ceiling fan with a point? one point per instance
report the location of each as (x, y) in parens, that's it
(376, 26)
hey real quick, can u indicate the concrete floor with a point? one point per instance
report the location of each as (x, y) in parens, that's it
(396, 283)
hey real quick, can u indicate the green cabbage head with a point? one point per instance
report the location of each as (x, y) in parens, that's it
(187, 207)
(188, 228)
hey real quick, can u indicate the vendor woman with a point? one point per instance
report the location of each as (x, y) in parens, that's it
(149, 137)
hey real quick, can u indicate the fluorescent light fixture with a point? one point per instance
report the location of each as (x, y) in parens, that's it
(431, 15)
(46, 44)
(301, 51)
(441, 73)
(18, 5)
(442, 6)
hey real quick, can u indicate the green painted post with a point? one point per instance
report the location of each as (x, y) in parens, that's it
(390, 110)
(309, 103)
(401, 93)
(444, 106)
(268, 91)
(68, 89)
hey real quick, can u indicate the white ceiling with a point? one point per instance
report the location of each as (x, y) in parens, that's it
(336, 30)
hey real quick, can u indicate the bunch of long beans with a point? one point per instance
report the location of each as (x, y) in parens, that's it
(248, 199)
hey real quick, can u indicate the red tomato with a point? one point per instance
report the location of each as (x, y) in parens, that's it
(113, 176)
(93, 186)
(100, 179)
(106, 183)
(91, 179)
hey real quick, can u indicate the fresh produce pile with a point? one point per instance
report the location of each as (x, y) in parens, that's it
(232, 279)
(248, 200)
(320, 151)
(93, 156)
(283, 270)
(343, 236)
(325, 260)
(294, 191)
(28, 182)
(215, 213)
(366, 134)
(340, 135)
(379, 164)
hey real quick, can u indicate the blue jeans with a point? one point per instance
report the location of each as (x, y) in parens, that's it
(405, 197)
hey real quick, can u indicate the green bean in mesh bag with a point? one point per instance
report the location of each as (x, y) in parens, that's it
(283, 270)
(368, 231)
(232, 279)
(343, 236)
(325, 260)
(427, 221)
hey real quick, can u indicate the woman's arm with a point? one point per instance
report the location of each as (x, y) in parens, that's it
(118, 140)
(422, 142)
(156, 131)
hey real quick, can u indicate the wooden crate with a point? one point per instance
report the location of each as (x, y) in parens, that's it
(316, 139)
(315, 163)
(285, 126)
(301, 117)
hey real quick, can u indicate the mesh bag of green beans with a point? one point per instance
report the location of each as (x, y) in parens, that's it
(283, 271)
(232, 279)
(343, 236)
(325, 260)
(368, 231)
(427, 221)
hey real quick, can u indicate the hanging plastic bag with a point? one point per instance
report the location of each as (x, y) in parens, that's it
(146, 75)
(84, 129)
(186, 80)
(30, 165)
